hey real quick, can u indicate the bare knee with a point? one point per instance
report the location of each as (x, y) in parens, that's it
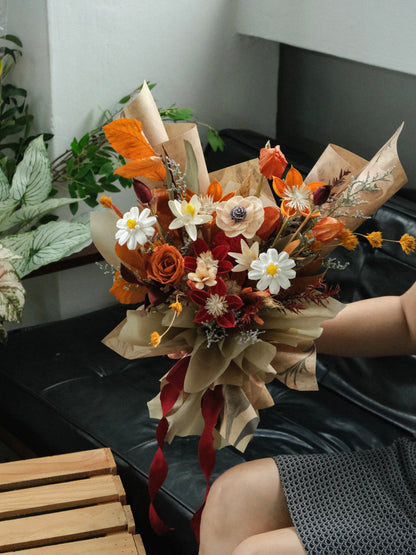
(284, 541)
(221, 497)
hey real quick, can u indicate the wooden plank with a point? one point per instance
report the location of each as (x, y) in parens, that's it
(62, 526)
(114, 544)
(131, 526)
(43, 470)
(64, 495)
(139, 545)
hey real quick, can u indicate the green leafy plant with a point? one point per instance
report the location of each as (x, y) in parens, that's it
(15, 119)
(24, 202)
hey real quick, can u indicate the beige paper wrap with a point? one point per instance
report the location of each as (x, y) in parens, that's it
(167, 137)
(334, 159)
(285, 351)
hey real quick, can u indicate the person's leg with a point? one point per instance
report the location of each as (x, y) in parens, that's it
(278, 542)
(246, 500)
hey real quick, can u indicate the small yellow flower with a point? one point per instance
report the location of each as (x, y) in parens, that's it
(107, 202)
(176, 306)
(407, 242)
(347, 239)
(155, 339)
(375, 239)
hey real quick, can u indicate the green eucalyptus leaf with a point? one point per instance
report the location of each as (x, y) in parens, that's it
(125, 99)
(83, 170)
(14, 39)
(28, 214)
(75, 147)
(124, 182)
(55, 240)
(32, 180)
(8, 91)
(91, 150)
(84, 141)
(215, 141)
(112, 188)
(106, 168)
(191, 170)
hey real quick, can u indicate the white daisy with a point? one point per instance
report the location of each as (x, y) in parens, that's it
(246, 257)
(187, 215)
(135, 228)
(273, 270)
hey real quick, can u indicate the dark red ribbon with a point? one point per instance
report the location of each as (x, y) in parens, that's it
(159, 467)
(212, 404)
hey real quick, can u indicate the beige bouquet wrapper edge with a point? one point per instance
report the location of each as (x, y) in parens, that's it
(287, 353)
(335, 158)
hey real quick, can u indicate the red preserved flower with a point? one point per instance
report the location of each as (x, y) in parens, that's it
(216, 305)
(215, 256)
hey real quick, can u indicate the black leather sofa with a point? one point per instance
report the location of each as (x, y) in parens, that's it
(61, 390)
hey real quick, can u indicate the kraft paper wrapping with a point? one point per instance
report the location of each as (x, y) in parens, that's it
(167, 137)
(335, 158)
(286, 352)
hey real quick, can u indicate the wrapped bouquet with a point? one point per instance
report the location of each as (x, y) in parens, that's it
(227, 271)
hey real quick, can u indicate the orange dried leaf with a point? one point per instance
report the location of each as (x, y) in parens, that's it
(290, 247)
(127, 293)
(315, 185)
(126, 137)
(152, 168)
(279, 186)
(215, 190)
(293, 178)
(133, 259)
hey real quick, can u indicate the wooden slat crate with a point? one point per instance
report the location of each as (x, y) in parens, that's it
(66, 504)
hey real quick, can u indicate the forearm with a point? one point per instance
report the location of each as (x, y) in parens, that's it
(382, 326)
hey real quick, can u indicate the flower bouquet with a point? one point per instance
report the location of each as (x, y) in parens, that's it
(228, 280)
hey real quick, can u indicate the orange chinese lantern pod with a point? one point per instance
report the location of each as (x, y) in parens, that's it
(327, 229)
(272, 222)
(272, 162)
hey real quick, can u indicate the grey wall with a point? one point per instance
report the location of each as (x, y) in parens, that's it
(324, 99)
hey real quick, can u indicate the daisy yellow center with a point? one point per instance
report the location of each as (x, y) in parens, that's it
(131, 224)
(271, 269)
(190, 209)
(216, 305)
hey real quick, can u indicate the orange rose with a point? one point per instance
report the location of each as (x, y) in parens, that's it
(166, 265)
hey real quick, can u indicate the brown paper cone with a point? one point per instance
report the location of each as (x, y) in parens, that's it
(167, 137)
(144, 109)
